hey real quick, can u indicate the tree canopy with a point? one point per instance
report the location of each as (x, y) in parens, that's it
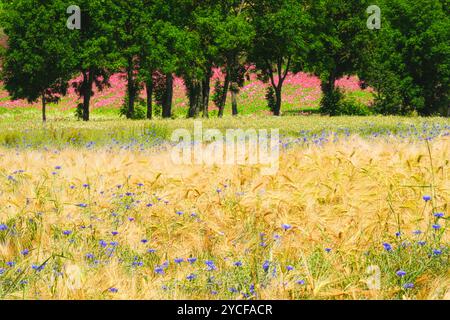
(406, 61)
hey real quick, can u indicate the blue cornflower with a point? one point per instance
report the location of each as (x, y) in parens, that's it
(67, 232)
(408, 286)
(180, 213)
(137, 263)
(266, 266)
(38, 268)
(422, 243)
(2, 271)
(151, 250)
(58, 168)
(89, 256)
(398, 234)
(10, 264)
(252, 289)
(439, 215)
(191, 277)
(103, 243)
(328, 250)
(238, 264)
(159, 270)
(437, 252)
(286, 226)
(436, 226)
(82, 205)
(426, 198)
(191, 260)
(144, 241)
(289, 268)
(113, 290)
(25, 252)
(417, 232)
(387, 246)
(400, 273)
(114, 243)
(114, 233)
(300, 282)
(85, 185)
(149, 205)
(178, 260)
(233, 290)
(210, 264)
(3, 227)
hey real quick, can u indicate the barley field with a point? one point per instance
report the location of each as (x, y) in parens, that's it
(350, 215)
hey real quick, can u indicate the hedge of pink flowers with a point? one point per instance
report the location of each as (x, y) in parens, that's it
(300, 89)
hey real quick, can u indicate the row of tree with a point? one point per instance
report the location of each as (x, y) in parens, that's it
(150, 41)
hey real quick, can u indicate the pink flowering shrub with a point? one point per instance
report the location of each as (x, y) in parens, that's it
(301, 91)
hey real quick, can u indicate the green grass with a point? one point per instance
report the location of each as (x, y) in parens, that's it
(15, 131)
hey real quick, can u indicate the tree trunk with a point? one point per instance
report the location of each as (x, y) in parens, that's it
(167, 106)
(328, 86)
(329, 99)
(149, 89)
(234, 108)
(277, 110)
(44, 116)
(131, 89)
(206, 87)
(223, 99)
(88, 79)
(195, 98)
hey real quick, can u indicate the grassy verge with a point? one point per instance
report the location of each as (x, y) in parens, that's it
(106, 131)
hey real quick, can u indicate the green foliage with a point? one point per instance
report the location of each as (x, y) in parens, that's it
(331, 102)
(409, 61)
(337, 104)
(281, 32)
(336, 43)
(79, 111)
(139, 113)
(219, 91)
(352, 107)
(38, 60)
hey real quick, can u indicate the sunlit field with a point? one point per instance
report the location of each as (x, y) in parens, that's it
(357, 210)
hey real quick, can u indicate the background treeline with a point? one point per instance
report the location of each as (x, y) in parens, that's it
(407, 61)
